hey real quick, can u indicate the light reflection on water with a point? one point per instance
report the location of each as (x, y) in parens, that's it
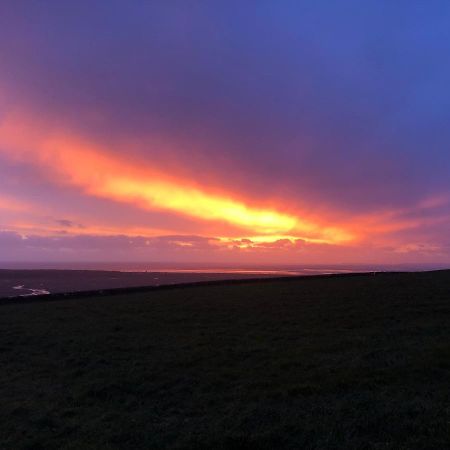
(31, 291)
(274, 269)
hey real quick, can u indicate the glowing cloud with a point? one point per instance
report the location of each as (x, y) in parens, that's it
(109, 175)
(10, 204)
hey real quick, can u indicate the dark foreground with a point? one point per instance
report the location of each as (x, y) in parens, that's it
(317, 363)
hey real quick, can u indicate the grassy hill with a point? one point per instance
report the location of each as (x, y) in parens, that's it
(352, 362)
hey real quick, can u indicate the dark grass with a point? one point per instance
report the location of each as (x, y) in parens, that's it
(322, 363)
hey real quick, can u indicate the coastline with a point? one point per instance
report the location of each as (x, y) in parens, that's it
(115, 291)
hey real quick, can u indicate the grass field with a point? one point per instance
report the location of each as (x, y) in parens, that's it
(346, 362)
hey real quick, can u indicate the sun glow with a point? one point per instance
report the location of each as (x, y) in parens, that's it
(191, 201)
(70, 160)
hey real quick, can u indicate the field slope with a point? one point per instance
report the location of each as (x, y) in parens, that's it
(358, 362)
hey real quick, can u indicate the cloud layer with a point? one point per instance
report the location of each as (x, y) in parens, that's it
(303, 131)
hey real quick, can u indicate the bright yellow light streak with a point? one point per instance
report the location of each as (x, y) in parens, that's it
(102, 173)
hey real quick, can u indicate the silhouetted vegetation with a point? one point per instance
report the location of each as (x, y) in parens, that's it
(323, 363)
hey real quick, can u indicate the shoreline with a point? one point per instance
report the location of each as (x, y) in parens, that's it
(17, 283)
(81, 294)
(220, 279)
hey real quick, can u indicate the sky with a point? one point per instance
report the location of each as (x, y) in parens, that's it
(271, 132)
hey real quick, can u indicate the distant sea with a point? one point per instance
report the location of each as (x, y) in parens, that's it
(276, 269)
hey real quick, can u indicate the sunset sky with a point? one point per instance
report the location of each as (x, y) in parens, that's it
(225, 131)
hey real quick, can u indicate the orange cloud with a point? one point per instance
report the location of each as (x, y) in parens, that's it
(10, 204)
(105, 174)
(46, 229)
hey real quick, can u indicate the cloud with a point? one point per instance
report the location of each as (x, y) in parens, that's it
(68, 223)
(11, 204)
(66, 247)
(213, 120)
(315, 115)
(99, 173)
